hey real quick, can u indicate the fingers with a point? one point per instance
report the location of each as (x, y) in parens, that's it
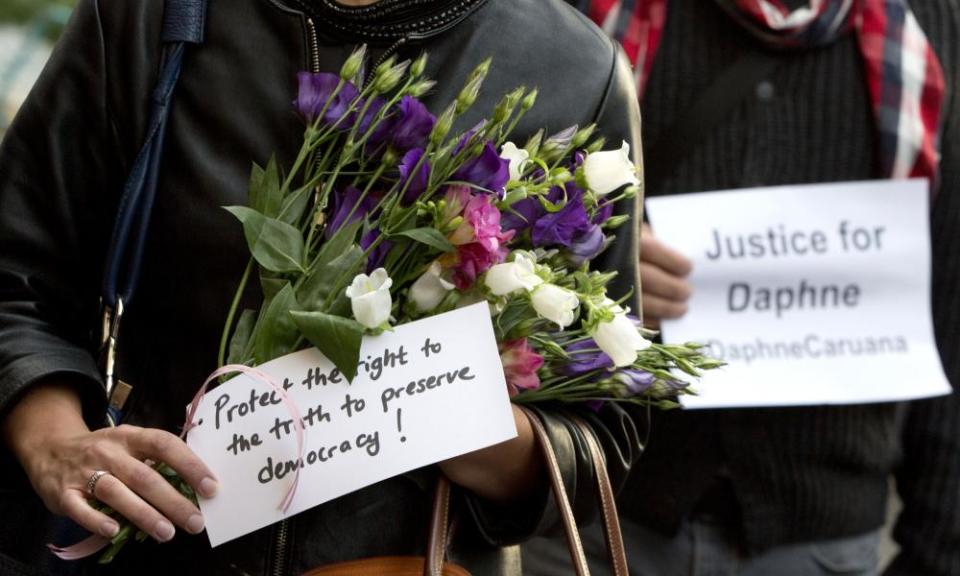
(659, 254)
(153, 488)
(76, 506)
(656, 308)
(114, 493)
(162, 446)
(662, 272)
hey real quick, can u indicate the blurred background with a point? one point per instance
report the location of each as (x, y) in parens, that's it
(28, 29)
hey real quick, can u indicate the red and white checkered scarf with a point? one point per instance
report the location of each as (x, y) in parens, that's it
(903, 73)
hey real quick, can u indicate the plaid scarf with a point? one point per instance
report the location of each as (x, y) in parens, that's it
(903, 73)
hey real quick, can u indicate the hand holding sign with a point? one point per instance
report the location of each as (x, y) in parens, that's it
(813, 294)
(663, 271)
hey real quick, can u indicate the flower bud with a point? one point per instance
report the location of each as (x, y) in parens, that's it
(582, 135)
(529, 100)
(615, 222)
(388, 80)
(418, 66)
(352, 66)
(506, 106)
(418, 89)
(443, 125)
(481, 70)
(468, 95)
(597, 145)
(533, 144)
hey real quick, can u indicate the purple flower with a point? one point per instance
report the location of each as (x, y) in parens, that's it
(603, 213)
(379, 255)
(343, 205)
(369, 116)
(466, 136)
(587, 245)
(315, 89)
(408, 125)
(416, 182)
(636, 381)
(585, 356)
(487, 171)
(521, 214)
(561, 227)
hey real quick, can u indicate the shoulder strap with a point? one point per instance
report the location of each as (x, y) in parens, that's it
(183, 23)
(731, 88)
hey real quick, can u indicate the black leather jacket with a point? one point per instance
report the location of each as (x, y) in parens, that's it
(62, 165)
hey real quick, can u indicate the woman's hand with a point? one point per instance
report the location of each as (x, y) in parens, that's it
(46, 432)
(502, 472)
(662, 273)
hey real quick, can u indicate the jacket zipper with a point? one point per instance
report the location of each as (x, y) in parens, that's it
(282, 539)
(314, 46)
(389, 52)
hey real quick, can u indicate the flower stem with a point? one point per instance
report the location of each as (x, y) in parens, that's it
(225, 336)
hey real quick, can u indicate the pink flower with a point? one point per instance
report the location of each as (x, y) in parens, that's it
(472, 260)
(481, 223)
(456, 200)
(520, 365)
(479, 240)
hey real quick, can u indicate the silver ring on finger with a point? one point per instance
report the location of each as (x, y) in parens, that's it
(94, 478)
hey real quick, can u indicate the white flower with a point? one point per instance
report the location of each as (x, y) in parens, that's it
(430, 289)
(620, 339)
(370, 298)
(521, 274)
(607, 171)
(555, 304)
(517, 157)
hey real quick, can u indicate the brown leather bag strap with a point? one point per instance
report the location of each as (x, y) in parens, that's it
(439, 523)
(574, 544)
(608, 504)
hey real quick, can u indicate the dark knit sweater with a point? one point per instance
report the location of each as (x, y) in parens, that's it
(802, 474)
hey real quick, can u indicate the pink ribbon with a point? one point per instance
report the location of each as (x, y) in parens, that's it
(96, 543)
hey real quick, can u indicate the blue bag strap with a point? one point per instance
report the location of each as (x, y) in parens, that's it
(183, 24)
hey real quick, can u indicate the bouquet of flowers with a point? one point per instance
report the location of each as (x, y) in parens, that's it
(386, 216)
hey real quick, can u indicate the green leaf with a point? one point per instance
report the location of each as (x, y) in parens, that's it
(429, 236)
(294, 206)
(265, 194)
(270, 287)
(241, 337)
(276, 334)
(275, 245)
(336, 337)
(341, 242)
(322, 279)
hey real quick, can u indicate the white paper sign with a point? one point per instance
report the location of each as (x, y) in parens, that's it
(428, 391)
(813, 294)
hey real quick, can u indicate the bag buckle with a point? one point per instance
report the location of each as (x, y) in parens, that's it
(117, 390)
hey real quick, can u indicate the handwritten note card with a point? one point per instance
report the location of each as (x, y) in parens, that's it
(428, 391)
(813, 294)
